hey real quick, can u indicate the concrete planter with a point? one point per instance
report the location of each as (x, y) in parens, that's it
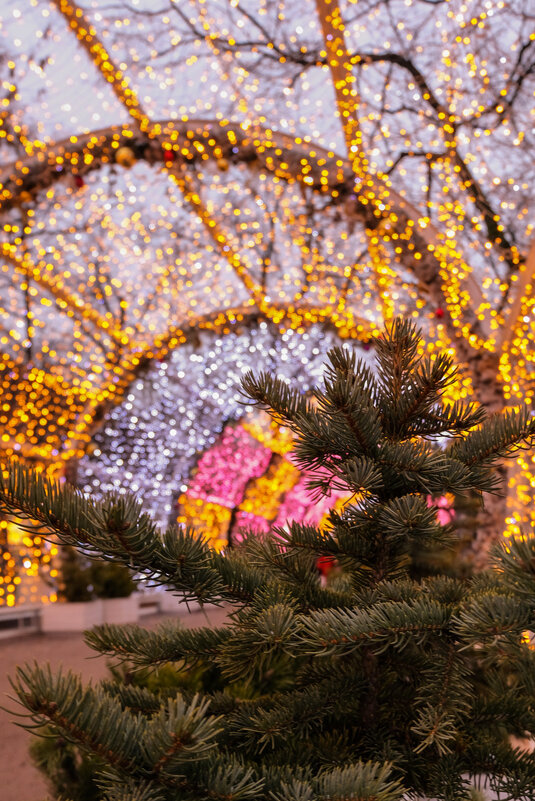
(59, 617)
(120, 610)
(81, 616)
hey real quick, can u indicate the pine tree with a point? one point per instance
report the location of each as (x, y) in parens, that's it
(387, 681)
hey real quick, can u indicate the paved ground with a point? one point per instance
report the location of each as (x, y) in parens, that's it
(20, 780)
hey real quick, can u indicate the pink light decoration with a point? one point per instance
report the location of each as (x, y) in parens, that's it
(249, 521)
(445, 510)
(224, 470)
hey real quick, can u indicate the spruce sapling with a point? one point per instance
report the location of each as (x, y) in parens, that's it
(391, 683)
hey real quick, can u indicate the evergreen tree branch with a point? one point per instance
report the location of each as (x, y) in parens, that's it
(356, 476)
(514, 561)
(451, 418)
(445, 698)
(288, 716)
(274, 395)
(384, 625)
(363, 781)
(428, 382)
(86, 716)
(151, 751)
(294, 576)
(117, 529)
(397, 357)
(491, 619)
(169, 643)
(343, 363)
(136, 699)
(130, 790)
(179, 733)
(497, 438)
(351, 411)
(257, 640)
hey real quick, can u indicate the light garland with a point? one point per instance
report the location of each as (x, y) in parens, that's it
(177, 410)
(209, 166)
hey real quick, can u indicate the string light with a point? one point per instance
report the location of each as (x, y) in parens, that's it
(177, 409)
(178, 184)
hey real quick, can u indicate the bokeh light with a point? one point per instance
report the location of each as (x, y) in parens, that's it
(173, 174)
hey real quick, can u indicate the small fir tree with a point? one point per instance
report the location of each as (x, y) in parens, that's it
(385, 682)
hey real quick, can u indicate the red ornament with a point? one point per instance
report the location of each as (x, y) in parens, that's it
(79, 181)
(168, 155)
(325, 564)
(439, 313)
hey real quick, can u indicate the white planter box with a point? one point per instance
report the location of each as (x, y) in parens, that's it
(120, 610)
(71, 616)
(81, 616)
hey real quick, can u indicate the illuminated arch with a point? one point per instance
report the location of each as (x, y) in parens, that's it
(491, 338)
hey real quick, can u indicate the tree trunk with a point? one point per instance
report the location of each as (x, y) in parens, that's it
(484, 370)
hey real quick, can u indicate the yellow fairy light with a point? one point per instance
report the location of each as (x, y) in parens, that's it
(252, 213)
(125, 156)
